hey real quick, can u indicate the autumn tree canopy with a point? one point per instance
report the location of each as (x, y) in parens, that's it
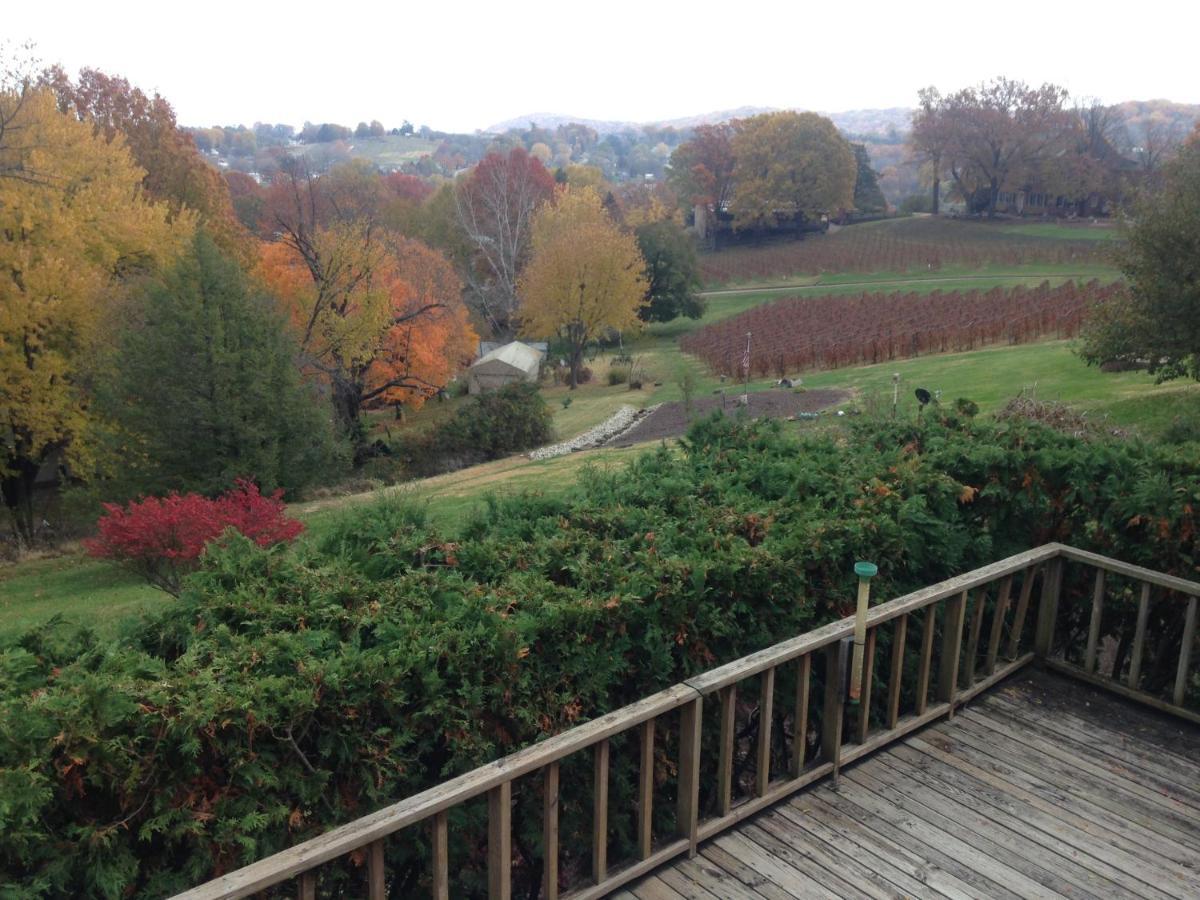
(993, 137)
(175, 173)
(71, 233)
(495, 206)
(790, 166)
(584, 275)
(702, 169)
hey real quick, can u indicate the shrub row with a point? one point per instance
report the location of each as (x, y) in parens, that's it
(291, 690)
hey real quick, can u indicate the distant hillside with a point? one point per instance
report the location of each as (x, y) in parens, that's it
(857, 121)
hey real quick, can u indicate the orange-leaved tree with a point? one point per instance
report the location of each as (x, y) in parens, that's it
(379, 317)
(585, 275)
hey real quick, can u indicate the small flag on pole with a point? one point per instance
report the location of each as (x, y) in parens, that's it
(746, 358)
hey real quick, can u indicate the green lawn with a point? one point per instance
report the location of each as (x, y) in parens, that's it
(1050, 370)
(1073, 232)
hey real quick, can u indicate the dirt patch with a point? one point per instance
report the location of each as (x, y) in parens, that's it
(671, 419)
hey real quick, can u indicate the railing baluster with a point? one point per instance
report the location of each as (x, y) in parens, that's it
(550, 797)
(499, 851)
(1089, 658)
(897, 673)
(1185, 652)
(308, 886)
(800, 743)
(926, 659)
(1048, 609)
(725, 754)
(952, 635)
(600, 811)
(993, 649)
(688, 804)
(646, 791)
(766, 707)
(1139, 636)
(973, 635)
(1018, 625)
(376, 885)
(831, 713)
(441, 856)
(868, 676)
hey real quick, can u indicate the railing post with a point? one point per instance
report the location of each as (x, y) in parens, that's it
(831, 721)
(952, 635)
(1139, 636)
(800, 740)
(1048, 608)
(308, 886)
(376, 883)
(441, 856)
(1185, 652)
(600, 812)
(550, 831)
(899, 636)
(499, 850)
(1093, 641)
(766, 712)
(728, 697)
(646, 791)
(688, 808)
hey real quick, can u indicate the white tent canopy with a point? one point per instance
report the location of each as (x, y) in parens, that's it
(505, 365)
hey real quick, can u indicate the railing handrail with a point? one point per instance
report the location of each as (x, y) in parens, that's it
(419, 807)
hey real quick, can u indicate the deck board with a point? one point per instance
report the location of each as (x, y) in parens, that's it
(1041, 787)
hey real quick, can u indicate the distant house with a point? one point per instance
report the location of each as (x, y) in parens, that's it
(508, 364)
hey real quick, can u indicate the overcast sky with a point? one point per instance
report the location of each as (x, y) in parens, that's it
(461, 66)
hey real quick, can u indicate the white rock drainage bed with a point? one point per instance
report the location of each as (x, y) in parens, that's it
(620, 421)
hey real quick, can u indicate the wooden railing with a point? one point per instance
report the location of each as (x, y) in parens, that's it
(1114, 656)
(944, 644)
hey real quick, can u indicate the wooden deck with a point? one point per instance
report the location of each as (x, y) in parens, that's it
(1041, 787)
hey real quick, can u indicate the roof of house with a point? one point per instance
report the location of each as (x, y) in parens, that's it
(516, 354)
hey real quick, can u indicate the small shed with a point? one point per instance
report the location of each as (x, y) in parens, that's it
(505, 365)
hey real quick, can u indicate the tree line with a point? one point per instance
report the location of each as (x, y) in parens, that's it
(168, 328)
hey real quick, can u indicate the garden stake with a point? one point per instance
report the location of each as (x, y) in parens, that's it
(865, 572)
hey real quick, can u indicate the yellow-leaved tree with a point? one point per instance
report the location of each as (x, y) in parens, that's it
(585, 275)
(74, 224)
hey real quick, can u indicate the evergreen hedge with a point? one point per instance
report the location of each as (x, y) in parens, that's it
(291, 690)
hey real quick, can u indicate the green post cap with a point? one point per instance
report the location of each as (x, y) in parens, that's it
(866, 569)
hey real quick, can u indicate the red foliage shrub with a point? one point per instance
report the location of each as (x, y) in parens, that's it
(162, 538)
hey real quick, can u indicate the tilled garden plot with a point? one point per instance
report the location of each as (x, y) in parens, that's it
(672, 419)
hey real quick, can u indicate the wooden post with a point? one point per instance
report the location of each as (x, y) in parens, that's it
(831, 724)
(1089, 657)
(441, 856)
(499, 851)
(1018, 626)
(550, 795)
(800, 743)
(308, 885)
(1139, 636)
(725, 752)
(688, 809)
(1048, 609)
(897, 674)
(952, 635)
(973, 635)
(646, 791)
(868, 675)
(1185, 652)
(600, 812)
(766, 711)
(1001, 611)
(376, 885)
(926, 658)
